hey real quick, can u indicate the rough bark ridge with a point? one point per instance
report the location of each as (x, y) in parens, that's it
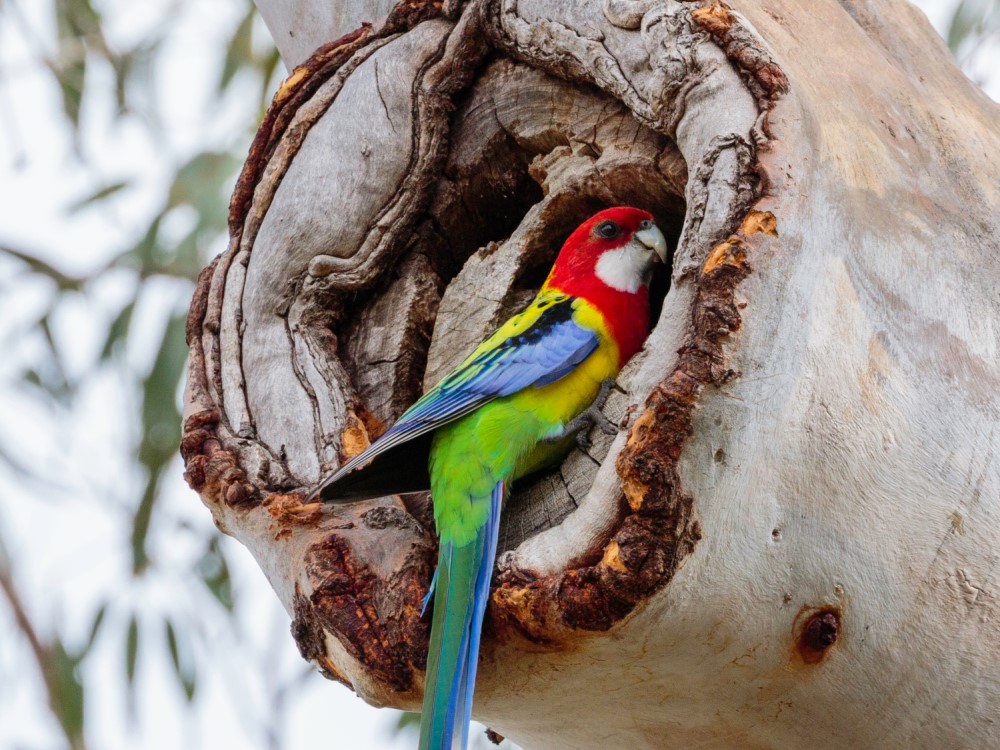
(795, 526)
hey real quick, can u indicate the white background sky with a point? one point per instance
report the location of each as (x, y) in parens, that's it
(66, 537)
(67, 540)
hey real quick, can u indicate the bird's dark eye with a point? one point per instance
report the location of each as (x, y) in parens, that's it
(608, 230)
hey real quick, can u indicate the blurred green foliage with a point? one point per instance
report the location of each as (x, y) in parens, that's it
(974, 24)
(82, 62)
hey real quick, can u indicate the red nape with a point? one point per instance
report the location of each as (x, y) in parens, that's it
(574, 273)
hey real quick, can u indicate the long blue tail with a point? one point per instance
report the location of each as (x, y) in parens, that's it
(461, 592)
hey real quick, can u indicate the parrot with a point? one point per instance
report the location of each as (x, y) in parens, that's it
(511, 407)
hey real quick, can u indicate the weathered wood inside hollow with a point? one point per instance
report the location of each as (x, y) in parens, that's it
(583, 151)
(812, 437)
(387, 346)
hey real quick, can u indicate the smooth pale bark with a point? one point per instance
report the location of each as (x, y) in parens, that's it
(792, 541)
(300, 26)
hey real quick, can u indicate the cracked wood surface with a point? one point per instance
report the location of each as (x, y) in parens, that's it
(792, 542)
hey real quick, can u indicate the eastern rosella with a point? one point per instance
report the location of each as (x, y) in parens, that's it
(511, 407)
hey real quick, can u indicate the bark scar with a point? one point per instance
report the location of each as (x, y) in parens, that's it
(381, 97)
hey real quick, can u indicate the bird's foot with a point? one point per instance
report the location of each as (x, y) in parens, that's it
(607, 385)
(593, 416)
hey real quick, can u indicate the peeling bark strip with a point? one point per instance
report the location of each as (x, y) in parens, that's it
(373, 619)
(764, 78)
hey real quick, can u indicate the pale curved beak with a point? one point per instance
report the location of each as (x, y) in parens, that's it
(650, 235)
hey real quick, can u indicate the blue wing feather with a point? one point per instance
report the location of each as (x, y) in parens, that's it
(547, 350)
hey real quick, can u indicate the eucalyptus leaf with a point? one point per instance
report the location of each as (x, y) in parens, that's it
(182, 663)
(131, 650)
(161, 428)
(118, 330)
(205, 182)
(239, 53)
(268, 64)
(407, 722)
(214, 572)
(960, 27)
(43, 268)
(49, 375)
(142, 255)
(70, 67)
(66, 690)
(95, 629)
(98, 195)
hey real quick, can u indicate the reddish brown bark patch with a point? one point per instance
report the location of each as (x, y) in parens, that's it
(289, 511)
(375, 616)
(815, 632)
(211, 470)
(308, 633)
(764, 77)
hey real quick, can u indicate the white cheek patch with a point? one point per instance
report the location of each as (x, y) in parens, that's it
(625, 268)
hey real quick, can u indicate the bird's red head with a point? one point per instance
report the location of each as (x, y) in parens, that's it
(609, 230)
(608, 261)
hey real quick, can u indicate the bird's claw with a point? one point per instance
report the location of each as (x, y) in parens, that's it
(607, 385)
(605, 425)
(582, 423)
(592, 416)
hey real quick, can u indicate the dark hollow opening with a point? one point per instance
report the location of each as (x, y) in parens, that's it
(491, 181)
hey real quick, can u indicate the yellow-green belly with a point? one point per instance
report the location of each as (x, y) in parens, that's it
(502, 440)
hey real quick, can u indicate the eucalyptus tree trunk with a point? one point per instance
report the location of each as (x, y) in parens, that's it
(792, 541)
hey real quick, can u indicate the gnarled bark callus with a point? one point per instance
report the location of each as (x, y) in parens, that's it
(790, 541)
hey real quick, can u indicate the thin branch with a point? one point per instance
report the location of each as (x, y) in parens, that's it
(24, 623)
(39, 266)
(41, 653)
